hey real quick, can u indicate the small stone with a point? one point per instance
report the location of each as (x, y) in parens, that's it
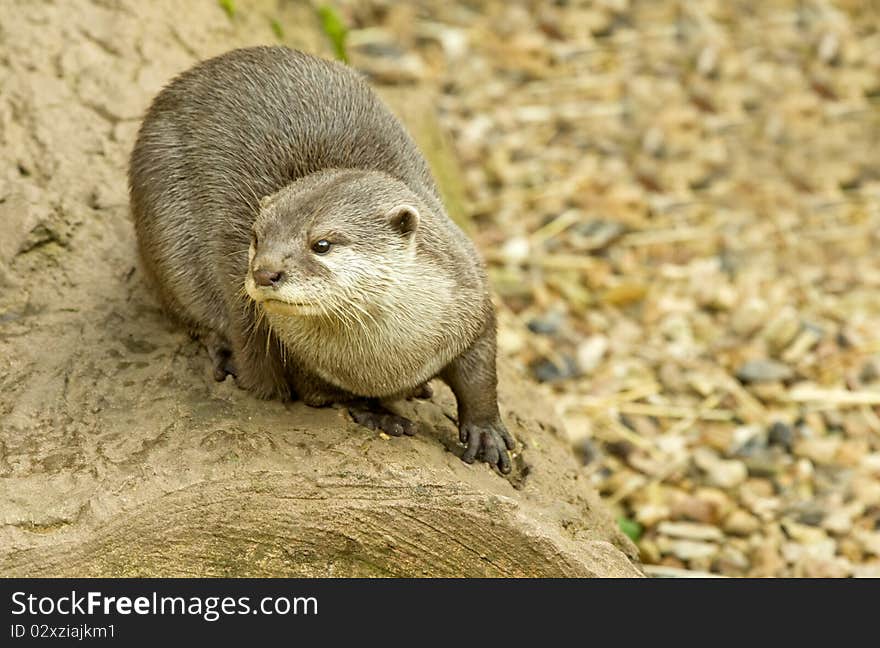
(782, 329)
(869, 540)
(720, 472)
(758, 371)
(694, 508)
(686, 549)
(807, 339)
(597, 234)
(548, 371)
(804, 534)
(838, 522)
(590, 353)
(868, 570)
(690, 531)
(829, 47)
(546, 325)
(766, 559)
(818, 567)
(650, 514)
(516, 249)
(746, 319)
(732, 559)
(820, 450)
(871, 463)
(741, 523)
(781, 434)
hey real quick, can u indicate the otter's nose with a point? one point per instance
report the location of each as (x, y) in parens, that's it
(265, 278)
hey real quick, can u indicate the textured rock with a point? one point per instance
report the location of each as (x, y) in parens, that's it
(120, 456)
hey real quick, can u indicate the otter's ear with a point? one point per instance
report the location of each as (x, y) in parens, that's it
(404, 219)
(265, 201)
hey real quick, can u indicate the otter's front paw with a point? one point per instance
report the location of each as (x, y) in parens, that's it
(378, 418)
(222, 364)
(490, 442)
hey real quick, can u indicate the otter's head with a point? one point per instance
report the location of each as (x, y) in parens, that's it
(334, 244)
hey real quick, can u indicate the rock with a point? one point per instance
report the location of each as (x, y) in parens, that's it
(781, 434)
(819, 567)
(759, 371)
(867, 570)
(690, 531)
(139, 464)
(649, 514)
(516, 249)
(870, 540)
(782, 329)
(820, 450)
(595, 235)
(838, 522)
(687, 549)
(746, 319)
(720, 472)
(733, 559)
(741, 523)
(546, 325)
(590, 353)
(696, 509)
(550, 371)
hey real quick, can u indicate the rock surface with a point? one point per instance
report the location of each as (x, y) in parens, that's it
(119, 455)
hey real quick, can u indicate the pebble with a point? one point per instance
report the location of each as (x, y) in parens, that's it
(597, 234)
(820, 450)
(781, 434)
(741, 523)
(649, 515)
(690, 531)
(869, 540)
(759, 371)
(734, 559)
(687, 549)
(548, 371)
(782, 329)
(720, 472)
(746, 319)
(590, 353)
(822, 567)
(547, 325)
(838, 522)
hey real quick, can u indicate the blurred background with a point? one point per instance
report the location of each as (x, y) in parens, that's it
(678, 203)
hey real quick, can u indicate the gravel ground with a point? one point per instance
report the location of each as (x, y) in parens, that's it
(679, 205)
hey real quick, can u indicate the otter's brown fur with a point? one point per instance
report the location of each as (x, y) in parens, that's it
(241, 164)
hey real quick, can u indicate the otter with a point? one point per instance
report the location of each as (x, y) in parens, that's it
(287, 219)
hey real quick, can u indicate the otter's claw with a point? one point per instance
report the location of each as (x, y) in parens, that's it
(381, 419)
(490, 442)
(222, 363)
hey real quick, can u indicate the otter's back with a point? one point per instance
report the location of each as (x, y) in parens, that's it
(265, 116)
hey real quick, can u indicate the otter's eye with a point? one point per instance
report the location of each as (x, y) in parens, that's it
(321, 247)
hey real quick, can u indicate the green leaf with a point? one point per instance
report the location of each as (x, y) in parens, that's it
(228, 6)
(631, 528)
(277, 29)
(335, 30)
